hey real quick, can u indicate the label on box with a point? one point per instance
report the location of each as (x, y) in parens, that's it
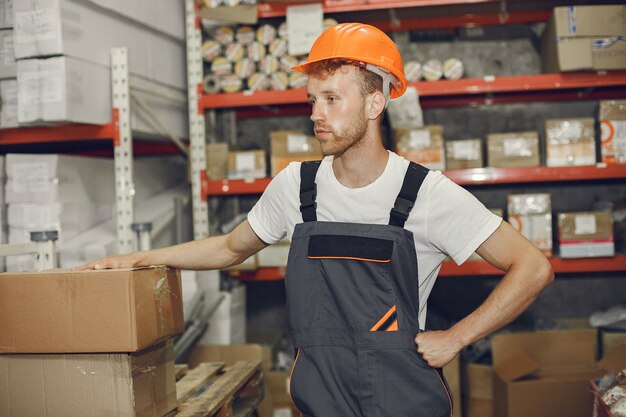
(245, 162)
(419, 139)
(41, 87)
(304, 25)
(36, 25)
(8, 52)
(282, 412)
(30, 177)
(570, 131)
(516, 147)
(465, 150)
(297, 143)
(585, 224)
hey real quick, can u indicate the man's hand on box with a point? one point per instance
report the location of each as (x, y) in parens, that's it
(130, 260)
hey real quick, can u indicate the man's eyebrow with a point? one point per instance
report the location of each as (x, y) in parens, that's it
(324, 92)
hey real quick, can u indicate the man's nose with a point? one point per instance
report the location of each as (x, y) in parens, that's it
(317, 113)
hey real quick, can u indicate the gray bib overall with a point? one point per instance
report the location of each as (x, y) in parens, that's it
(352, 299)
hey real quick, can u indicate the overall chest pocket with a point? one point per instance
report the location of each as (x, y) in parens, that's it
(355, 283)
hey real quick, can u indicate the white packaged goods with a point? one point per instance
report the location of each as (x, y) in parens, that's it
(8, 68)
(6, 14)
(8, 109)
(66, 27)
(228, 324)
(61, 89)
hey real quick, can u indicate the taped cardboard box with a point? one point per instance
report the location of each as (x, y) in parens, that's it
(516, 149)
(89, 385)
(217, 161)
(610, 339)
(6, 14)
(290, 146)
(613, 131)
(8, 98)
(246, 165)
(585, 234)
(585, 37)
(114, 310)
(531, 215)
(464, 154)
(421, 145)
(544, 373)
(570, 142)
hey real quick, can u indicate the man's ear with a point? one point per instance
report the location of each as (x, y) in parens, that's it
(376, 105)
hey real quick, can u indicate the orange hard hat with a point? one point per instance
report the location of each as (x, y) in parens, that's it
(361, 43)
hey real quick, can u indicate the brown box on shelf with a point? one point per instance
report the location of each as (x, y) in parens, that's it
(516, 149)
(585, 37)
(478, 408)
(613, 131)
(290, 146)
(570, 142)
(544, 373)
(246, 165)
(610, 339)
(586, 234)
(531, 215)
(421, 145)
(478, 381)
(113, 310)
(217, 161)
(463, 154)
(89, 384)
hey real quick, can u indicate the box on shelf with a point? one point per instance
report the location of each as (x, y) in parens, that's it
(544, 373)
(424, 145)
(613, 131)
(463, 154)
(290, 146)
(8, 97)
(585, 37)
(89, 385)
(65, 27)
(114, 310)
(585, 234)
(478, 381)
(6, 14)
(515, 149)
(8, 66)
(217, 161)
(246, 165)
(570, 142)
(531, 215)
(610, 339)
(228, 323)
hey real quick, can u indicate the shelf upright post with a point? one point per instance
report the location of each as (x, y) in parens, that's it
(123, 149)
(197, 140)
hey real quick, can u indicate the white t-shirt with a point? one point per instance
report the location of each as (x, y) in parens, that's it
(446, 218)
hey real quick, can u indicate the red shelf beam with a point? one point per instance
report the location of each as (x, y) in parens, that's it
(532, 86)
(59, 133)
(472, 268)
(236, 187)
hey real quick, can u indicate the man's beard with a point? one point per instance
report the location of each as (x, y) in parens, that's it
(346, 138)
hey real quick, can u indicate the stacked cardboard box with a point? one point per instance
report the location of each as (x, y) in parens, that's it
(56, 326)
(290, 146)
(613, 131)
(424, 145)
(531, 215)
(463, 154)
(8, 67)
(516, 149)
(585, 37)
(586, 234)
(570, 142)
(63, 29)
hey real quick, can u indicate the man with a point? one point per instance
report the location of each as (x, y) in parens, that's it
(368, 233)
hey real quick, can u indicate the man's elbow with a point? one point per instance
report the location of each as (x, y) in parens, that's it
(545, 273)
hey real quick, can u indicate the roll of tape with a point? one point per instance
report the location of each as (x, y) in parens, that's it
(279, 81)
(432, 70)
(244, 68)
(413, 71)
(256, 51)
(245, 35)
(453, 69)
(288, 62)
(266, 34)
(234, 52)
(297, 80)
(268, 65)
(278, 47)
(224, 35)
(221, 66)
(210, 50)
(211, 84)
(257, 81)
(282, 30)
(231, 83)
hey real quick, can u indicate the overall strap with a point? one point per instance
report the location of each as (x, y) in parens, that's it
(308, 190)
(405, 200)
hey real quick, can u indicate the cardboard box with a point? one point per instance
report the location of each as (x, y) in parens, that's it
(452, 372)
(6, 14)
(585, 37)
(65, 27)
(479, 408)
(421, 145)
(531, 215)
(586, 234)
(613, 131)
(246, 165)
(114, 310)
(544, 373)
(612, 363)
(464, 154)
(217, 161)
(8, 109)
(517, 149)
(610, 339)
(8, 66)
(478, 382)
(89, 385)
(290, 146)
(570, 142)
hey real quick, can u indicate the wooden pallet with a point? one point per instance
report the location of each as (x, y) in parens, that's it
(214, 390)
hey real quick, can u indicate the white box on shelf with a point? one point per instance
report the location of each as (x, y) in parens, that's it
(228, 324)
(66, 27)
(8, 67)
(8, 109)
(6, 14)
